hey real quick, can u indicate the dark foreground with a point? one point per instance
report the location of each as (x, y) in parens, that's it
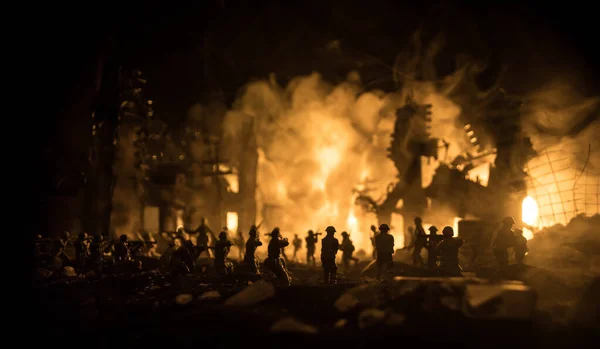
(151, 309)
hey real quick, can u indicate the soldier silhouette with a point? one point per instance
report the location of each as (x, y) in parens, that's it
(505, 238)
(347, 248)
(274, 261)
(329, 248)
(433, 239)
(420, 240)
(221, 249)
(297, 242)
(311, 242)
(251, 245)
(447, 249)
(374, 230)
(82, 252)
(202, 236)
(385, 250)
(520, 246)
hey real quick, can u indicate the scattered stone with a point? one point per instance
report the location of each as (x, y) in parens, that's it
(184, 298)
(499, 301)
(346, 302)
(370, 317)
(252, 294)
(340, 323)
(210, 295)
(289, 324)
(69, 272)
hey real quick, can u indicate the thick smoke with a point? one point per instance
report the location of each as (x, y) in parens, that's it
(317, 142)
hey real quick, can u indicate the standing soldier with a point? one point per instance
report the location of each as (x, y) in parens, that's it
(221, 249)
(347, 248)
(385, 250)
(433, 239)
(447, 249)
(520, 246)
(297, 242)
(420, 241)
(329, 248)
(251, 245)
(504, 239)
(240, 242)
(274, 261)
(311, 242)
(202, 233)
(97, 250)
(374, 230)
(82, 252)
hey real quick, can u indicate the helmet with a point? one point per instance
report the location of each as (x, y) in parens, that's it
(344, 233)
(310, 232)
(330, 229)
(508, 221)
(433, 228)
(418, 220)
(384, 227)
(123, 238)
(223, 235)
(448, 231)
(275, 232)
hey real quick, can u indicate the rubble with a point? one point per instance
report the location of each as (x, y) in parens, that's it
(210, 295)
(253, 294)
(370, 317)
(184, 298)
(69, 272)
(289, 324)
(499, 301)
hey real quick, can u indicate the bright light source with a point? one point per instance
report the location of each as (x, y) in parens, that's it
(474, 140)
(232, 221)
(455, 225)
(233, 181)
(530, 215)
(467, 126)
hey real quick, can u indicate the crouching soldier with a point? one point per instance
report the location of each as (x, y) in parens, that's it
(447, 250)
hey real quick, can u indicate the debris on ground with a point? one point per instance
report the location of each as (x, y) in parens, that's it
(370, 317)
(184, 298)
(210, 295)
(289, 324)
(69, 272)
(253, 294)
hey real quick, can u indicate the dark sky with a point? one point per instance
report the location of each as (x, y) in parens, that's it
(250, 39)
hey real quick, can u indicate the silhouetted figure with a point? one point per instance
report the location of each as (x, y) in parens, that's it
(505, 239)
(447, 250)
(222, 248)
(347, 248)
(97, 250)
(240, 243)
(433, 239)
(82, 252)
(251, 245)
(297, 242)
(374, 230)
(202, 236)
(329, 248)
(420, 240)
(122, 254)
(520, 246)
(180, 258)
(311, 243)
(385, 250)
(274, 261)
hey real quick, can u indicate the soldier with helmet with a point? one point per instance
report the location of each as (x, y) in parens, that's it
(520, 246)
(420, 241)
(505, 238)
(251, 246)
(385, 250)
(221, 249)
(311, 242)
(274, 261)
(447, 250)
(347, 248)
(329, 248)
(433, 239)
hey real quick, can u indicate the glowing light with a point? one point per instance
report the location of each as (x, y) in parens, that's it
(470, 133)
(232, 221)
(455, 225)
(474, 139)
(234, 183)
(530, 215)
(467, 126)
(352, 222)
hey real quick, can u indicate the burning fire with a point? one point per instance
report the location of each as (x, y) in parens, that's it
(530, 215)
(232, 222)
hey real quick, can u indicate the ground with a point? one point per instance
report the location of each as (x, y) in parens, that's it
(151, 308)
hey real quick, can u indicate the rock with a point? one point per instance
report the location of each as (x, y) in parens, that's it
(507, 301)
(340, 323)
(346, 302)
(43, 273)
(449, 302)
(69, 272)
(184, 298)
(393, 319)
(252, 294)
(210, 295)
(290, 324)
(370, 317)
